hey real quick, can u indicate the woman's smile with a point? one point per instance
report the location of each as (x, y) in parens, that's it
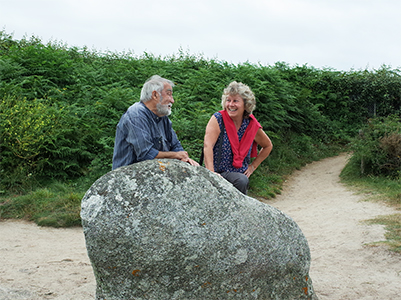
(235, 106)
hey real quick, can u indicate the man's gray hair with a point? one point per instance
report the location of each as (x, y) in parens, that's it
(154, 83)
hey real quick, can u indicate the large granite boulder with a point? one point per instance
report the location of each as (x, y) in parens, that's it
(163, 229)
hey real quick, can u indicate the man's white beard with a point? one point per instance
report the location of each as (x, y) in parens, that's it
(163, 110)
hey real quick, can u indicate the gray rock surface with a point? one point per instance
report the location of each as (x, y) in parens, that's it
(163, 229)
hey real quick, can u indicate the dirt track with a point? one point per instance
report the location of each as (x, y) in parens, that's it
(48, 263)
(345, 265)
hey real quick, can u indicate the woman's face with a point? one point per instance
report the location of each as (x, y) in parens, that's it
(235, 106)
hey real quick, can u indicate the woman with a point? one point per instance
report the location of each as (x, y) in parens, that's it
(232, 136)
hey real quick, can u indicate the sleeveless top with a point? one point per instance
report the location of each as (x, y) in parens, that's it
(226, 159)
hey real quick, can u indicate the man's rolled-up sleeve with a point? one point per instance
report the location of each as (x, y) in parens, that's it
(175, 143)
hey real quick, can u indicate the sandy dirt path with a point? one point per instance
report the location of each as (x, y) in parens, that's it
(47, 263)
(344, 265)
(44, 263)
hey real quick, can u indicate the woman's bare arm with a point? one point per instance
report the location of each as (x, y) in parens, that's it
(264, 141)
(211, 135)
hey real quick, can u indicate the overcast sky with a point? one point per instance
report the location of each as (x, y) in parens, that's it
(337, 34)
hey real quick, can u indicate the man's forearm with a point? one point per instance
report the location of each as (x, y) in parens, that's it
(172, 154)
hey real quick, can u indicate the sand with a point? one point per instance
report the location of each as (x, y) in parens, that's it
(48, 263)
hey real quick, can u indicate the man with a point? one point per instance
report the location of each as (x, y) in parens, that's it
(145, 132)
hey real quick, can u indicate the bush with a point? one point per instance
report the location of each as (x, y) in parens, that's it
(26, 127)
(72, 100)
(391, 145)
(377, 149)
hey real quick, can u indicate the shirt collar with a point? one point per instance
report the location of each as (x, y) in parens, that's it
(151, 114)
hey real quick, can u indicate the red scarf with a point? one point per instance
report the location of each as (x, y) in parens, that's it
(240, 149)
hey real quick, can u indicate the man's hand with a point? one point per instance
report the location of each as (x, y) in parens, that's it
(191, 161)
(181, 155)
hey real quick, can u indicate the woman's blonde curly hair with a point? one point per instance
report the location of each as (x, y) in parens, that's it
(241, 89)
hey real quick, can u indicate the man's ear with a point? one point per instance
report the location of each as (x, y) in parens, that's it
(154, 95)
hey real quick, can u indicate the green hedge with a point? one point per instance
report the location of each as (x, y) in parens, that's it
(60, 105)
